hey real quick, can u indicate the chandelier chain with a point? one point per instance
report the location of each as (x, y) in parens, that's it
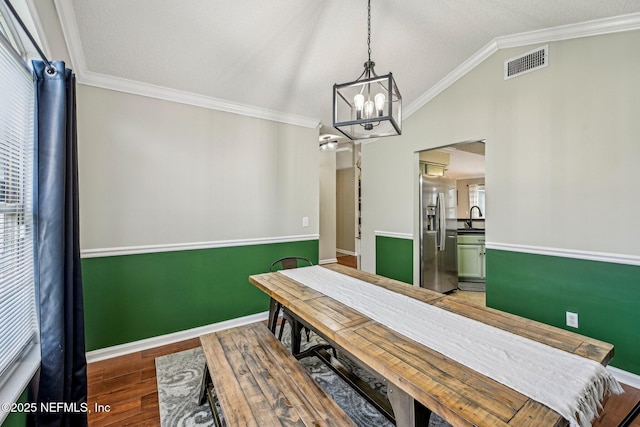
(369, 29)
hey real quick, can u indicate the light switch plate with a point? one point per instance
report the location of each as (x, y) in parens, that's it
(305, 221)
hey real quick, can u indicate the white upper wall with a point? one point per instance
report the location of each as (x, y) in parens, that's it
(154, 172)
(327, 243)
(562, 149)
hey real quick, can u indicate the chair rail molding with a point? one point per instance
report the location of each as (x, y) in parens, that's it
(171, 247)
(393, 234)
(567, 253)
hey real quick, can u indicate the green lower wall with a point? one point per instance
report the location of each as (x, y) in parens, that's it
(132, 297)
(606, 297)
(394, 258)
(17, 419)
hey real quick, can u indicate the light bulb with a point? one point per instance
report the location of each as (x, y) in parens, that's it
(368, 109)
(379, 99)
(328, 145)
(358, 100)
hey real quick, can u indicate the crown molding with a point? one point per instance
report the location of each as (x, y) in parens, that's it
(35, 17)
(565, 32)
(459, 72)
(597, 27)
(71, 33)
(103, 81)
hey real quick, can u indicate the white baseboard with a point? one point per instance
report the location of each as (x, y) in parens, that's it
(625, 377)
(327, 261)
(132, 347)
(342, 251)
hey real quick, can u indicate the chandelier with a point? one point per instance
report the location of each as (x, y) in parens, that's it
(370, 106)
(328, 143)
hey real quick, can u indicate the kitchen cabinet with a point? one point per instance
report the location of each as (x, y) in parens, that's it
(471, 257)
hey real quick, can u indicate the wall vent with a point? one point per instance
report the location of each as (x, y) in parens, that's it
(527, 62)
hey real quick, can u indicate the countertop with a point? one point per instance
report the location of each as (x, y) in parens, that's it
(470, 230)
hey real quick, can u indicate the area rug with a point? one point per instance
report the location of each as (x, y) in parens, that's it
(179, 376)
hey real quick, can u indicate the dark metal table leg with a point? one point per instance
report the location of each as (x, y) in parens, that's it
(274, 311)
(631, 416)
(296, 336)
(213, 398)
(376, 399)
(422, 413)
(206, 379)
(207, 393)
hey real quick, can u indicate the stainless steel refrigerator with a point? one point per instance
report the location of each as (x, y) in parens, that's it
(438, 236)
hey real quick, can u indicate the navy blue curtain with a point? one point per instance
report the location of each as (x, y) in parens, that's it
(63, 373)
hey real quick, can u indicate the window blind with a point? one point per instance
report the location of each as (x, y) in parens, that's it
(18, 322)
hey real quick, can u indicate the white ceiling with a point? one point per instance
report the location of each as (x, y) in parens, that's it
(285, 55)
(465, 165)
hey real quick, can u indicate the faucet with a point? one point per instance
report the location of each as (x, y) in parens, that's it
(469, 222)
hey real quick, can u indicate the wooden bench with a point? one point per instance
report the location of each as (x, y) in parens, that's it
(257, 382)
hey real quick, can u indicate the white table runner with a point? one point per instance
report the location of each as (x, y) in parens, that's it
(567, 383)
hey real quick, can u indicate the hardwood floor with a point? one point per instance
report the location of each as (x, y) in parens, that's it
(475, 297)
(617, 407)
(128, 385)
(348, 260)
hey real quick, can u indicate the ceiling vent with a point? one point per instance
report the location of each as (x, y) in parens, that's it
(527, 62)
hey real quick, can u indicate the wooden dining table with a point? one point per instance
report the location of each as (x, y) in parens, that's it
(417, 377)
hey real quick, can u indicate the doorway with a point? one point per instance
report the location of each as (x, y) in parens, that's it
(339, 200)
(348, 205)
(451, 224)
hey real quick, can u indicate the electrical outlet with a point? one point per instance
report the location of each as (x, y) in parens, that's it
(572, 319)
